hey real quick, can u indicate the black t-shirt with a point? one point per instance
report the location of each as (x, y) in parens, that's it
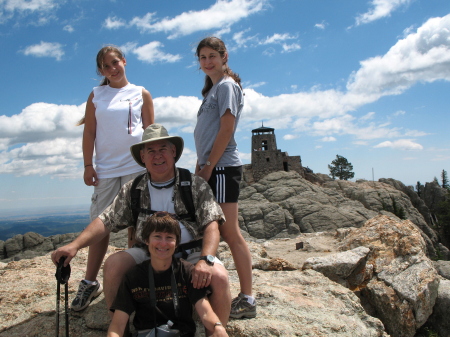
(133, 296)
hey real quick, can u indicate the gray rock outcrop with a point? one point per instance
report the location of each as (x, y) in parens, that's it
(283, 203)
(404, 286)
(441, 313)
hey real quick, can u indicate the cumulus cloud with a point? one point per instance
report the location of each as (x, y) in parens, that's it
(290, 137)
(45, 49)
(114, 23)
(42, 139)
(152, 53)
(423, 56)
(288, 48)
(380, 9)
(9, 8)
(321, 25)
(221, 15)
(68, 28)
(401, 144)
(328, 139)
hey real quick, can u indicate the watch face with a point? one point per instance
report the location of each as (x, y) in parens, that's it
(210, 258)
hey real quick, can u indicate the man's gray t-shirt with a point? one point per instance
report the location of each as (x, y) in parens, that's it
(225, 94)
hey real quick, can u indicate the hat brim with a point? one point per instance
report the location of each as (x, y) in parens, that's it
(175, 140)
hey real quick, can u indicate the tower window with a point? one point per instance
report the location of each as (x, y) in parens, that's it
(264, 145)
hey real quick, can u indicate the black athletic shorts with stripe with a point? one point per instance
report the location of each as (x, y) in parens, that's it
(224, 183)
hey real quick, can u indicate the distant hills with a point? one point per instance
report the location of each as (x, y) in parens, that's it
(46, 223)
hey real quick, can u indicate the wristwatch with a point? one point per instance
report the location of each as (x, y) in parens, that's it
(209, 259)
(208, 163)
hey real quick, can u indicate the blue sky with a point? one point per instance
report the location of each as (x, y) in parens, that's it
(365, 79)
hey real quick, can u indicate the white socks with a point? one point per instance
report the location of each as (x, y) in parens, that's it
(250, 299)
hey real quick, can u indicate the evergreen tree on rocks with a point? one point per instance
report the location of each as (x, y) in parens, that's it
(340, 168)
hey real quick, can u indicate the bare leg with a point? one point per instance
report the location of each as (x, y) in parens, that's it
(239, 249)
(220, 298)
(114, 269)
(95, 258)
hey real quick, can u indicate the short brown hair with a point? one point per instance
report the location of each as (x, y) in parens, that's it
(163, 222)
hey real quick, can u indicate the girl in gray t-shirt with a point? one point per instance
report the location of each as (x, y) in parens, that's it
(218, 159)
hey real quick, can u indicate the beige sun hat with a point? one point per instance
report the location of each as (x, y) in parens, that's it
(153, 133)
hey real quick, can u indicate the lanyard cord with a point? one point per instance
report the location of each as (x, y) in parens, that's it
(152, 291)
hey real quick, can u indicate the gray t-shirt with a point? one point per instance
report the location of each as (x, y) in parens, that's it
(225, 94)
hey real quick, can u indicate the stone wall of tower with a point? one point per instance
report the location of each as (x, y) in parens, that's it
(264, 142)
(266, 158)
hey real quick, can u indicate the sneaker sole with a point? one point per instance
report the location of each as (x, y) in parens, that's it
(244, 315)
(93, 297)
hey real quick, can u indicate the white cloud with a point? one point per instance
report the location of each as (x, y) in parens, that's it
(288, 48)
(290, 137)
(221, 15)
(8, 8)
(399, 113)
(380, 9)
(42, 139)
(401, 144)
(40, 122)
(423, 56)
(254, 85)
(278, 38)
(368, 116)
(152, 53)
(68, 28)
(321, 25)
(241, 40)
(29, 5)
(114, 23)
(328, 139)
(45, 49)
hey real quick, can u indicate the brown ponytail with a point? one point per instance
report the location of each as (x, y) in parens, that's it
(219, 46)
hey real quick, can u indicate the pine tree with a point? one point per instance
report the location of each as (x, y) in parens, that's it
(419, 188)
(435, 180)
(444, 179)
(341, 168)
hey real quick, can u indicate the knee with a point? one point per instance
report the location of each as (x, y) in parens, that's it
(219, 281)
(116, 265)
(234, 239)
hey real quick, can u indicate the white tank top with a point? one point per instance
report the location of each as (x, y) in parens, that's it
(119, 125)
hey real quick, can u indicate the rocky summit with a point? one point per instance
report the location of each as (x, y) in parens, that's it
(329, 259)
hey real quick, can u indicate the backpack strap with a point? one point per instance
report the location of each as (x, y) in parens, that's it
(185, 189)
(136, 198)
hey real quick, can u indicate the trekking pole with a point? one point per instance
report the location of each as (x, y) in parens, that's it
(62, 277)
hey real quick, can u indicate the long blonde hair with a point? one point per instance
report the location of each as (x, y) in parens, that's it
(219, 46)
(100, 56)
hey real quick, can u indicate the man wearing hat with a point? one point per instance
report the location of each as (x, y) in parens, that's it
(158, 152)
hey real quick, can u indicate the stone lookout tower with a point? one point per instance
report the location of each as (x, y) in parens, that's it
(266, 158)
